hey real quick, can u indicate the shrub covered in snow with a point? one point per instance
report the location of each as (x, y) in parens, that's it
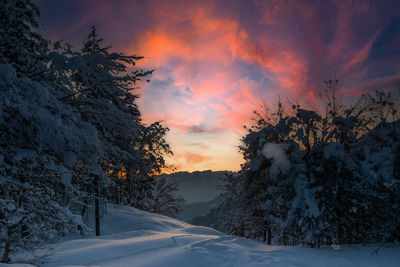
(319, 179)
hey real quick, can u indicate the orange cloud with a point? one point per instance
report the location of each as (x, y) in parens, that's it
(195, 158)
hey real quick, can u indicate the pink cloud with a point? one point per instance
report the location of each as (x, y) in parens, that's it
(216, 61)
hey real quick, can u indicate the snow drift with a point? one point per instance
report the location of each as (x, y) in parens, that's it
(136, 238)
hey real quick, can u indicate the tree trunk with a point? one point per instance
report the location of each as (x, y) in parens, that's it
(269, 236)
(97, 204)
(83, 211)
(6, 253)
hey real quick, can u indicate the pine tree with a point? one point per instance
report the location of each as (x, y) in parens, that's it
(100, 87)
(68, 122)
(20, 46)
(40, 142)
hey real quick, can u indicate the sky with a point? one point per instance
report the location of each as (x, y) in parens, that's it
(217, 61)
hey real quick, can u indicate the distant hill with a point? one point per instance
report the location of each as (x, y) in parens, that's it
(199, 186)
(194, 210)
(199, 190)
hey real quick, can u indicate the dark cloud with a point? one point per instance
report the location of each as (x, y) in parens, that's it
(200, 145)
(200, 129)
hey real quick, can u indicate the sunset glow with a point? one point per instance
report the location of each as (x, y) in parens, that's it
(217, 61)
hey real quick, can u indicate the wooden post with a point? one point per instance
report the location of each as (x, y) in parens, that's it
(97, 204)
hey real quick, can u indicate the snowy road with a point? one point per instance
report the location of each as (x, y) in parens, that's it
(137, 238)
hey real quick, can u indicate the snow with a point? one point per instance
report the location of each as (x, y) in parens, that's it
(277, 152)
(333, 150)
(7, 73)
(136, 238)
(15, 265)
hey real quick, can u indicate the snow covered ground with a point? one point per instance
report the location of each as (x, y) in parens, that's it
(136, 238)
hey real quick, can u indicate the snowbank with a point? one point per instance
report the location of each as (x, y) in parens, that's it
(137, 238)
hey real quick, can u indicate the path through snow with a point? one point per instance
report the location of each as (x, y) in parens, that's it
(136, 238)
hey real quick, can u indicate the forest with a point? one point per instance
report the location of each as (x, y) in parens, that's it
(71, 134)
(72, 138)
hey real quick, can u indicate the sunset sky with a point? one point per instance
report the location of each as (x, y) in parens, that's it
(216, 61)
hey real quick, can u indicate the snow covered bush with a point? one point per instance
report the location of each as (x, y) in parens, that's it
(319, 179)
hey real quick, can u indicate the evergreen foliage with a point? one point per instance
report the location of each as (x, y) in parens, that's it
(70, 130)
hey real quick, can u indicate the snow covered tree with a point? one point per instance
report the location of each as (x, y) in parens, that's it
(164, 199)
(319, 179)
(40, 142)
(248, 209)
(68, 120)
(100, 86)
(20, 46)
